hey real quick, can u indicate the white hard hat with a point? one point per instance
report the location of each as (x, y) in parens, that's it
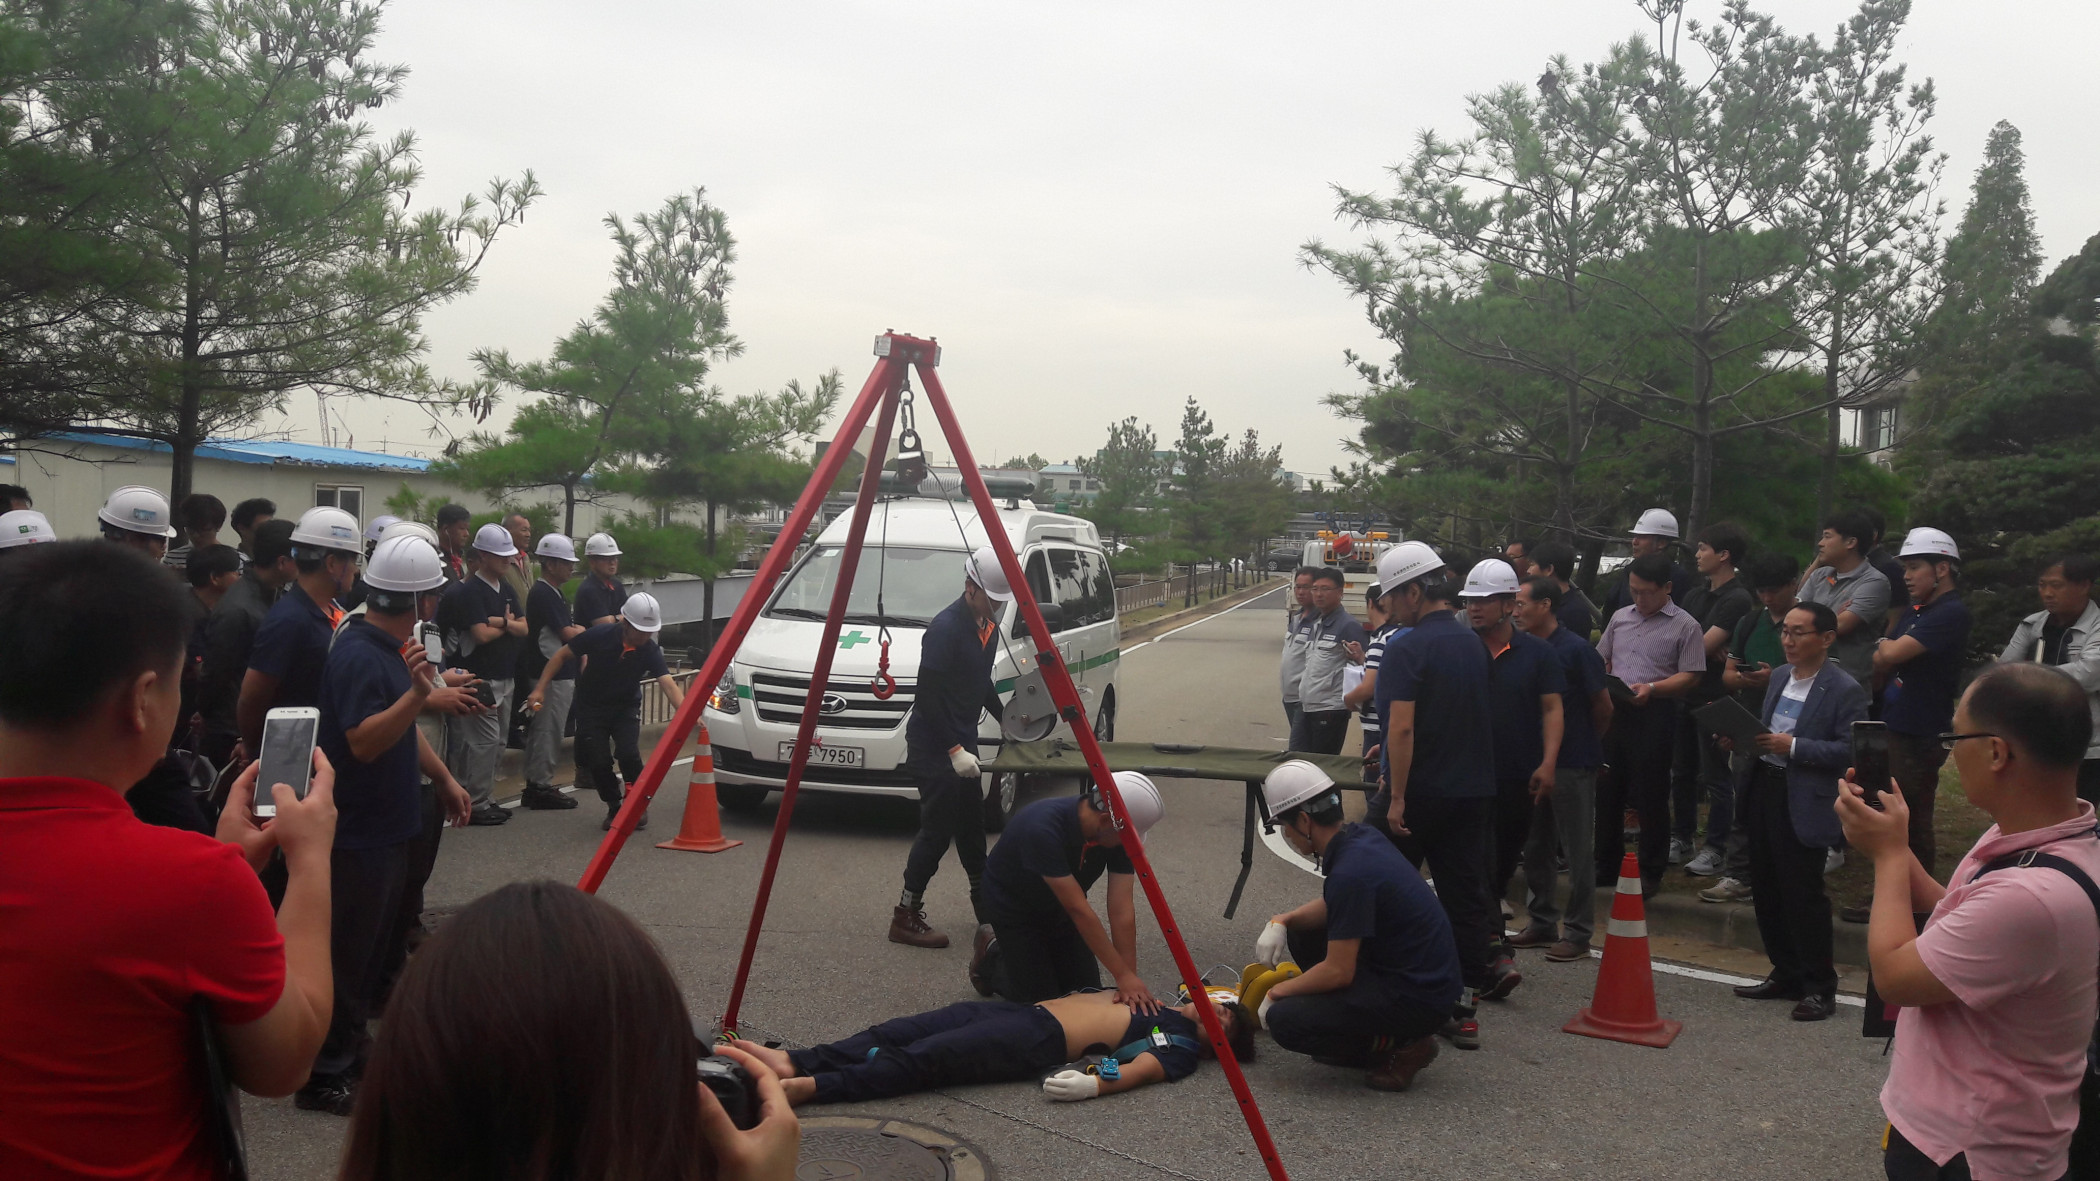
(554, 545)
(1141, 800)
(1404, 563)
(327, 528)
(495, 540)
(1657, 522)
(1489, 577)
(601, 545)
(410, 529)
(642, 613)
(138, 509)
(24, 526)
(405, 563)
(983, 569)
(1292, 783)
(376, 529)
(1924, 542)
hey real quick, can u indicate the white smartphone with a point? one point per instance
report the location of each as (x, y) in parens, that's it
(433, 645)
(287, 755)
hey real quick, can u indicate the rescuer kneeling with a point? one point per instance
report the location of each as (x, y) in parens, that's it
(1380, 969)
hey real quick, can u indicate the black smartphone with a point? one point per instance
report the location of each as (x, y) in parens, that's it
(287, 754)
(733, 1089)
(1870, 759)
(485, 693)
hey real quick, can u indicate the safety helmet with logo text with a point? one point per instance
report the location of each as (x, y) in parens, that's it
(982, 568)
(1657, 522)
(1404, 563)
(1294, 784)
(601, 545)
(405, 563)
(642, 613)
(1489, 577)
(24, 526)
(325, 528)
(554, 545)
(1926, 542)
(136, 508)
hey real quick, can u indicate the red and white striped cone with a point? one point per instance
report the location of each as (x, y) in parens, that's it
(700, 830)
(1623, 1008)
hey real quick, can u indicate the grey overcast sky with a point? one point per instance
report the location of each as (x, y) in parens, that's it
(1096, 207)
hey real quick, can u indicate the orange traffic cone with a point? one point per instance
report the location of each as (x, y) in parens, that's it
(1623, 1009)
(700, 831)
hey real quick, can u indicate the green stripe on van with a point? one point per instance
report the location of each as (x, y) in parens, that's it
(1096, 661)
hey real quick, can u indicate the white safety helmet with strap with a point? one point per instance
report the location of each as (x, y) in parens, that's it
(1404, 563)
(410, 529)
(982, 568)
(1488, 578)
(1657, 522)
(601, 545)
(136, 508)
(24, 526)
(1293, 784)
(405, 563)
(1141, 799)
(1927, 542)
(642, 613)
(554, 545)
(376, 529)
(327, 529)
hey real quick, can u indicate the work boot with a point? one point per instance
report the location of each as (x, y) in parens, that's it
(541, 797)
(980, 949)
(488, 815)
(334, 1094)
(909, 926)
(1395, 1070)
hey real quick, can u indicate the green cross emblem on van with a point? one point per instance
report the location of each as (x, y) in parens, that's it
(852, 639)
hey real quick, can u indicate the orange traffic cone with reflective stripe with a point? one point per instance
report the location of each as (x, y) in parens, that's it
(700, 831)
(1623, 1008)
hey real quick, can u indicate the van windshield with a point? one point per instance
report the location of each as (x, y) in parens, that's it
(916, 584)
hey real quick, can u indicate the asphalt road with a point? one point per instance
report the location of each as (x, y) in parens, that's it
(1744, 1093)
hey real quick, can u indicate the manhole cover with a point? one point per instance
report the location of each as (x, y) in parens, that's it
(854, 1148)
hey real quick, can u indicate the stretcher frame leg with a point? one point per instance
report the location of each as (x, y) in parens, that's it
(1232, 904)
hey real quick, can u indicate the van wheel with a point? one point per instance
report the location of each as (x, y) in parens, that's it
(741, 797)
(1000, 801)
(1105, 721)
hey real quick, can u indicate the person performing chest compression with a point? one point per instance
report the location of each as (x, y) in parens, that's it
(1005, 1041)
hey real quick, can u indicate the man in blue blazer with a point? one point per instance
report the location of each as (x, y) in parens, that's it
(1809, 709)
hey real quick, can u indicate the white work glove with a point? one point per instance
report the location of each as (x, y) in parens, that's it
(1274, 945)
(964, 762)
(1261, 1014)
(1070, 1086)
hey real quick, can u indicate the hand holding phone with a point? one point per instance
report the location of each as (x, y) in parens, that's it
(1870, 760)
(289, 733)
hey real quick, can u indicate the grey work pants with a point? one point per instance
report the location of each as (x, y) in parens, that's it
(543, 735)
(474, 745)
(1568, 818)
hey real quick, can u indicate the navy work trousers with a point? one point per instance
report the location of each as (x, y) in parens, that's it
(1349, 1024)
(951, 811)
(604, 735)
(971, 1042)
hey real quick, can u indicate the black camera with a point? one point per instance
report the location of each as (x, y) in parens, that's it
(731, 1084)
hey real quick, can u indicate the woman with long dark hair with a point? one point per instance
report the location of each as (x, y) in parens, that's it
(540, 1036)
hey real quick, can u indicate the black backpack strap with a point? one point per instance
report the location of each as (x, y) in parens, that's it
(2035, 857)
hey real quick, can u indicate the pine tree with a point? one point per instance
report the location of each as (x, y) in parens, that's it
(1992, 264)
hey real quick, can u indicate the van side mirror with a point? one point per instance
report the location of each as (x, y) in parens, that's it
(1053, 614)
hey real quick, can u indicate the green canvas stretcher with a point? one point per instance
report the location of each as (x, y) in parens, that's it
(1174, 760)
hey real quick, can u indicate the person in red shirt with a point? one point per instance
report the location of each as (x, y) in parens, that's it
(111, 930)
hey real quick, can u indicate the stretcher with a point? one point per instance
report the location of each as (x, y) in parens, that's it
(1174, 760)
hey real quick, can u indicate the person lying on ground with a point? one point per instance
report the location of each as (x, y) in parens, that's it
(1005, 1041)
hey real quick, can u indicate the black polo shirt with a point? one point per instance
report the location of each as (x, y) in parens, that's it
(612, 679)
(379, 803)
(1518, 677)
(546, 618)
(473, 602)
(598, 598)
(1442, 667)
(292, 645)
(1043, 840)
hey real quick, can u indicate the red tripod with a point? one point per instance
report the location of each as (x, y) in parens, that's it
(898, 356)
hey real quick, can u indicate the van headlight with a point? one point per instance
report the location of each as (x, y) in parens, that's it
(723, 699)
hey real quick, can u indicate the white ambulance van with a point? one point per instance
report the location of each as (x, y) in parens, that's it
(913, 561)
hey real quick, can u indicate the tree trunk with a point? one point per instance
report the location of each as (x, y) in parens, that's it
(182, 460)
(1826, 483)
(1702, 398)
(568, 510)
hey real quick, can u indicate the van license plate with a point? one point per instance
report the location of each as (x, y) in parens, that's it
(827, 756)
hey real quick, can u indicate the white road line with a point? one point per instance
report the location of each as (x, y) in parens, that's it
(1206, 619)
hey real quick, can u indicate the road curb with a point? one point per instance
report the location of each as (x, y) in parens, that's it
(1726, 924)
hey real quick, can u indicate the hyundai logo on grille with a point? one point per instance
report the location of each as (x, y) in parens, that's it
(833, 704)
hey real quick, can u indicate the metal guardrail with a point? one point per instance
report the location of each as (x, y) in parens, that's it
(656, 706)
(1139, 595)
(1185, 587)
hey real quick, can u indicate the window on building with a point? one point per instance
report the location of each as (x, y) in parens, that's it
(348, 497)
(1074, 485)
(1878, 428)
(1093, 485)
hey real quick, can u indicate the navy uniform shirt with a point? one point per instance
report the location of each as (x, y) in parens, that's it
(473, 602)
(1373, 894)
(598, 598)
(292, 645)
(1518, 677)
(1043, 840)
(612, 680)
(1442, 667)
(379, 803)
(1582, 675)
(1919, 700)
(546, 618)
(1179, 1062)
(1576, 613)
(955, 684)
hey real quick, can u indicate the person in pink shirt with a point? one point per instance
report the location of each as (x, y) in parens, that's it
(1998, 992)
